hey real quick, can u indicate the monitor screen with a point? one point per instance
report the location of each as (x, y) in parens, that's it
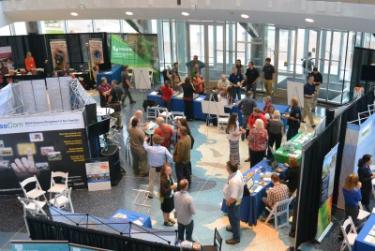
(99, 128)
(368, 73)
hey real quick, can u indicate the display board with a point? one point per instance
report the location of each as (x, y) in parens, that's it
(295, 89)
(59, 53)
(98, 177)
(328, 181)
(35, 145)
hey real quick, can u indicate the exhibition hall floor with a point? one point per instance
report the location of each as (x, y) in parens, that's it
(209, 155)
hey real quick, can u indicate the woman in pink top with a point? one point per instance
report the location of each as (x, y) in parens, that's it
(258, 140)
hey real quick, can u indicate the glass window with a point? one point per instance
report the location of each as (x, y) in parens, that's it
(270, 51)
(78, 26)
(197, 41)
(300, 50)
(107, 25)
(154, 26)
(5, 31)
(167, 43)
(230, 48)
(52, 27)
(20, 28)
(126, 27)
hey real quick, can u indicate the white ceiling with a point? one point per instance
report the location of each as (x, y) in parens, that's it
(336, 15)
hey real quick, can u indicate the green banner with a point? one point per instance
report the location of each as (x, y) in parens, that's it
(122, 53)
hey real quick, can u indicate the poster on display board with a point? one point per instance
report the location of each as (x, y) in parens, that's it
(36, 145)
(59, 52)
(5, 53)
(98, 176)
(96, 52)
(328, 181)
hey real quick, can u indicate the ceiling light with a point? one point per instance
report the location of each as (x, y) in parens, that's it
(309, 20)
(74, 14)
(186, 14)
(244, 16)
(129, 13)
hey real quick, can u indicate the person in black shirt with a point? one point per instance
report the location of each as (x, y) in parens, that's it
(365, 177)
(294, 118)
(125, 80)
(318, 79)
(188, 90)
(252, 76)
(309, 94)
(292, 175)
(269, 76)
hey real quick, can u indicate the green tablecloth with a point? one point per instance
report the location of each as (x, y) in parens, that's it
(293, 148)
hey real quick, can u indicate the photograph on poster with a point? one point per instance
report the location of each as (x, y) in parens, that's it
(44, 150)
(41, 166)
(26, 148)
(54, 156)
(4, 163)
(36, 137)
(6, 151)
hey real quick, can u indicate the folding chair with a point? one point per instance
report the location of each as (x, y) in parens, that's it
(63, 200)
(58, 187)
(34, 193)
(218, 241)
(33, 207)
(279, 209)
(163, 112)
(152, 112)
(141, 201)
(349, 237)
(363, 214)
(222, 116)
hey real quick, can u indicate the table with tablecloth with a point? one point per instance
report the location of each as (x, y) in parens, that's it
(252, 206)
(133, 217)
(293, 148)
(360, 243)
(178, 103)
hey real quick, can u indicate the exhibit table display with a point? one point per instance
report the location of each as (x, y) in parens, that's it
(258, 180)
(133, 217)
(293, 148)
(365, 240)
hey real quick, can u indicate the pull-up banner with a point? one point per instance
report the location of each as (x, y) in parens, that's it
(96, 52)
(59, 52)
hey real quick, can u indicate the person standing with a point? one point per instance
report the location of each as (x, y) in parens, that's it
(275, 130)
(252, 76)
(198, 83)
(352, 196)
(181, 155)
(166, 95)
(236, 80)
(258, 140)
(318, 80)
(185, 210)
(165, 131)
(167, 188)
(234, 133)
(268, 107)
(114, 101)
(175, 77)
(139, 154)
(309, 94)
(30, 64)
(188, 96)
(269, 76)
(365, 177)
(307, 64)
(247, 106)
(257, 114)
(293, 116)
(125, 80)
(239, 67)
(358, 91)
(157, 156)
(195, 65)
(233, 192)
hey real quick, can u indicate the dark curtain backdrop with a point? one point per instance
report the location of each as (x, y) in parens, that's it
(39, 46)
(43, 229)
(361, 56)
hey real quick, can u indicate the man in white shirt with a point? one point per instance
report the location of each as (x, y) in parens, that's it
(233, 192)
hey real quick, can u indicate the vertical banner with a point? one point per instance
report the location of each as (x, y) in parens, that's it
(96, 52)
(98, 177)
(328, 180)
(59, 52)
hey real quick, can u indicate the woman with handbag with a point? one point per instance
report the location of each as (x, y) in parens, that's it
(167, 187)
(157, 157)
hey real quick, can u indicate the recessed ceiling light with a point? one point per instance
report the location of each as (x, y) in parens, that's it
(186, 14)
(74, 14)
(245, 16)
(129, 13)
(309, 20)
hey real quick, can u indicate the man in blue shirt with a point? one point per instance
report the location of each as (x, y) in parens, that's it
(309, 93)
(236, 79)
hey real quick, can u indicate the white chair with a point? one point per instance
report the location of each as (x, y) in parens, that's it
(363, 214)
(152, 112)
(58, 187)
(349, 237)
(222, 116)
(36, 193)
(34, 207)
(63, 200)
(281, 208)
(163, 112)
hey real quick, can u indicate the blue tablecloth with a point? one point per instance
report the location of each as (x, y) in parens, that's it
(178, 104)
(252, 206)
(132, 216)
(113, 74)
(360, 244)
